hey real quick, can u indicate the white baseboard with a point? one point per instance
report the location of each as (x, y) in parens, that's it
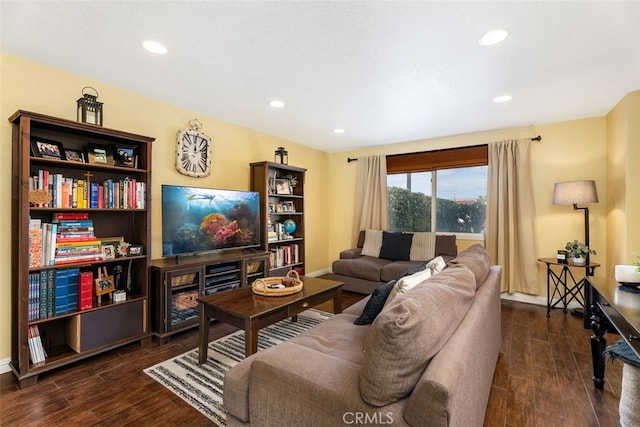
(318, 272)
(4, 365)
(532, 299)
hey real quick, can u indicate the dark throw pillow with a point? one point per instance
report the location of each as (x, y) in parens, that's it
(396, 246)
(375, 304)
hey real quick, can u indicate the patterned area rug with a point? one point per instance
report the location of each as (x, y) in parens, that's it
(201, 385)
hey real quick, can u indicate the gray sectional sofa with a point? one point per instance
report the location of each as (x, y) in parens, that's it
(427, 359)
(362, 274)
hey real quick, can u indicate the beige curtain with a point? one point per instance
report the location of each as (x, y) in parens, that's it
(371, 195)
(510, 216)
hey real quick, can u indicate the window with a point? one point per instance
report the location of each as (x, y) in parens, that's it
(442, 190)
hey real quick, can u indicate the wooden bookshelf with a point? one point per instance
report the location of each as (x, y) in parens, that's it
(281, 201)
(76, 334)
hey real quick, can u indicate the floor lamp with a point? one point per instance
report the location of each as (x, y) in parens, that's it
(574, 193)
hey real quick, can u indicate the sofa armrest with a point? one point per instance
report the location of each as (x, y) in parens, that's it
(351, 253)
(307, 387)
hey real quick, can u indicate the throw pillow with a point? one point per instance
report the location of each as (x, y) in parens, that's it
(375, 304)
(406, 283)
(410, 331)
(436, 265)
(396, 246)
(423, 246)
(477, 260)
(372, 243)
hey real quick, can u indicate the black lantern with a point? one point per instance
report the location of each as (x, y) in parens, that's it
(282, 155)
(89, 109)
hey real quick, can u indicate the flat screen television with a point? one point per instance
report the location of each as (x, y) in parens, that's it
(196, 220)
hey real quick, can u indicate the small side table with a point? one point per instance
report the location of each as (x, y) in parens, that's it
(566, 286)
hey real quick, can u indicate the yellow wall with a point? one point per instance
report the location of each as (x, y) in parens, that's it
(30, 86)
(623, 175)
(568, 151)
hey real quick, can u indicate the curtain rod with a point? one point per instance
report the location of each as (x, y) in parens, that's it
(355, 159)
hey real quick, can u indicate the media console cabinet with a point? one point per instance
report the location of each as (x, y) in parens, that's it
(178, 282)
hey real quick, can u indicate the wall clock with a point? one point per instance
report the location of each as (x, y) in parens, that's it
(193, 151)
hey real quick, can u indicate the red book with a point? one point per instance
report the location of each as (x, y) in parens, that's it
(85, 290)
(62, 216)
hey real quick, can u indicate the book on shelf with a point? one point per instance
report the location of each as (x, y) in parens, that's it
(36, 255)
(36, 349)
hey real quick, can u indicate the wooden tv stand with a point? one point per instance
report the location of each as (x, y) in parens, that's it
(177, 285)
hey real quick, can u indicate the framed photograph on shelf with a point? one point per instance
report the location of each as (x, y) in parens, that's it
(135, 250)
(125, 156)
(108, 251)
(111, 244)
(74, 155)
(289, 207)
(46, 148)
(282, 186)
(99, 154)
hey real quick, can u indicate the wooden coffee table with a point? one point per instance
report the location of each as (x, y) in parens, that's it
(245, 310)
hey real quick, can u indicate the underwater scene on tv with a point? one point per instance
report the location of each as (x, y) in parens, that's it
(206, 219)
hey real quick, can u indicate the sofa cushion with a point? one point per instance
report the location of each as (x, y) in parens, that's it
(436, 265)
(415, 276)
(372, 243)
(409, 331)
(396, 246)
(406, 283)
(477, 260)
(446, 245)
(423, 246)
(394, 270)
(375, 304)
(365, 267)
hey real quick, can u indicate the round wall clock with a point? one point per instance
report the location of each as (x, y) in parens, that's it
(193, 152)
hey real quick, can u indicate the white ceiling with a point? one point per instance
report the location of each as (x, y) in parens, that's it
(386, 72)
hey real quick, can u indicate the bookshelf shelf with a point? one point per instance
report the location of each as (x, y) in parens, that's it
(285, 252)
(71, 322)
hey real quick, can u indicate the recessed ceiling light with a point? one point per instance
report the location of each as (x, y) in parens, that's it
(276, 103)
(154, 47)
(502, 98)
(338, 130)
(493, 37)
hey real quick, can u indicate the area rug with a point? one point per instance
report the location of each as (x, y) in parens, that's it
(201, 385)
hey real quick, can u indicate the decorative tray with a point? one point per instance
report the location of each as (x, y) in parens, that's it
(278, 286)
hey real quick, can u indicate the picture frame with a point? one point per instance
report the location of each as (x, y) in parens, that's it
(108, 251)
(125, 156)
(135, 250)
(289, 207)
(104, 284)
(282, 186)
(74, 155)
(109, 246)
(99, 154)
(46, 148)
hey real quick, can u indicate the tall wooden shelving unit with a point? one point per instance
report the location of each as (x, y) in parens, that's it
(278, 244)
(78, 334)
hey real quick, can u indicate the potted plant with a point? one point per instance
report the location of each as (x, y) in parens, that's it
(629, 273)
(578, 251)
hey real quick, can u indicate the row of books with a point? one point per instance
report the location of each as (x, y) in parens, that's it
(56, 292)
(69, 192)
(36, 349)
(283, 255)
(68, 239)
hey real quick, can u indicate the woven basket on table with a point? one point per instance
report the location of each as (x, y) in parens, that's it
(261, 286)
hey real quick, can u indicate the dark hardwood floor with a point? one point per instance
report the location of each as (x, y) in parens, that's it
(543, 378)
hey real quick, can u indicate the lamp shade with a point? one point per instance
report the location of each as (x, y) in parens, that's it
(574, 192)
